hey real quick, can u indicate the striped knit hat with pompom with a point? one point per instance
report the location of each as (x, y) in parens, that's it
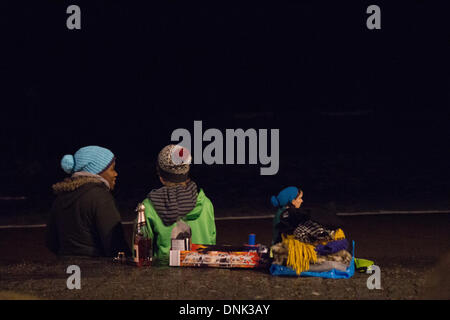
(92, 159)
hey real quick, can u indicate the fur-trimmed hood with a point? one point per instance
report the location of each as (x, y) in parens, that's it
(73, 183)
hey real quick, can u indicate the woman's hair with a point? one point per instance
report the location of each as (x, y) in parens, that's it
(172, 178)
(166, 182)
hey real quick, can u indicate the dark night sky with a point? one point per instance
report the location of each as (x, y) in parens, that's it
(137, 71)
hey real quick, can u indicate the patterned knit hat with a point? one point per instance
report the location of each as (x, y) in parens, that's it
(91, 159)
(174, 163)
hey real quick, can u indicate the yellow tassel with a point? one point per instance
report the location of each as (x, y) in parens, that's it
(339, 234)
(300, 254)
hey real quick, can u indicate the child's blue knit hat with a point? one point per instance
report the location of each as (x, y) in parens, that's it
(91, 159)
(284, 197)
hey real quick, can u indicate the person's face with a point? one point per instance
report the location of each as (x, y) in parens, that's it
(110, 175)
(297, 202)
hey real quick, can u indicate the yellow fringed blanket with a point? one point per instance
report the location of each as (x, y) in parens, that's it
(300, 254)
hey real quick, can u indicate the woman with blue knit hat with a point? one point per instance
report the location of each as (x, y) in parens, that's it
(289, 215)
(288, 197)
(84, 220)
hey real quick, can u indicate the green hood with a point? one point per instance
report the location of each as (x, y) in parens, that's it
(200, 220)
(196, 212)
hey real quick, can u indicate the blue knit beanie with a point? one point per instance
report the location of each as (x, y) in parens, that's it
(91, 159)
(284, 197)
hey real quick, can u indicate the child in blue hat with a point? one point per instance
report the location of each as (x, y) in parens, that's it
(290, 197)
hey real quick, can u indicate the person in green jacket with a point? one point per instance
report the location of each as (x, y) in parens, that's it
(179, 199)
(84, 220)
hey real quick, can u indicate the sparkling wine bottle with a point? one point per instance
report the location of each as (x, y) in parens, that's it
(142, 243)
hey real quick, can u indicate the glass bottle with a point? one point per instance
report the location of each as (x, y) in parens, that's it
(142, 247)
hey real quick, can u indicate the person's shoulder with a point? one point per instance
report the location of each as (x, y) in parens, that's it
(201, 196)
(301, 210)
(147, 203)
(98, 192)
(98, 187)
(298, 213)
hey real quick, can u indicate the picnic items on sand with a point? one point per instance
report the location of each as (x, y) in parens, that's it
(320, 250)
(250, 255)
(309, 245)
(308, 248)
(323, 254)
(328, 269)
(313, 251)
(183, 253)
(215, 256)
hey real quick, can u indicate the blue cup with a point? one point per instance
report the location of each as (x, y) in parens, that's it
(251, 239)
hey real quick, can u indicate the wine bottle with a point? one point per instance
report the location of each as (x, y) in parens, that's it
(142, 246)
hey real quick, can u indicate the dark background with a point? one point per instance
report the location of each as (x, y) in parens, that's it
(363, 114)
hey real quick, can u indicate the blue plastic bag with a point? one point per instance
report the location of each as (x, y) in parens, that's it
(278, 270)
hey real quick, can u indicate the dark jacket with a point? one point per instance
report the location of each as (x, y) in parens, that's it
(84, 220)
(289, 218)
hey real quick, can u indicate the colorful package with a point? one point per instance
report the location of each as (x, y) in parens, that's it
(201, 256)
